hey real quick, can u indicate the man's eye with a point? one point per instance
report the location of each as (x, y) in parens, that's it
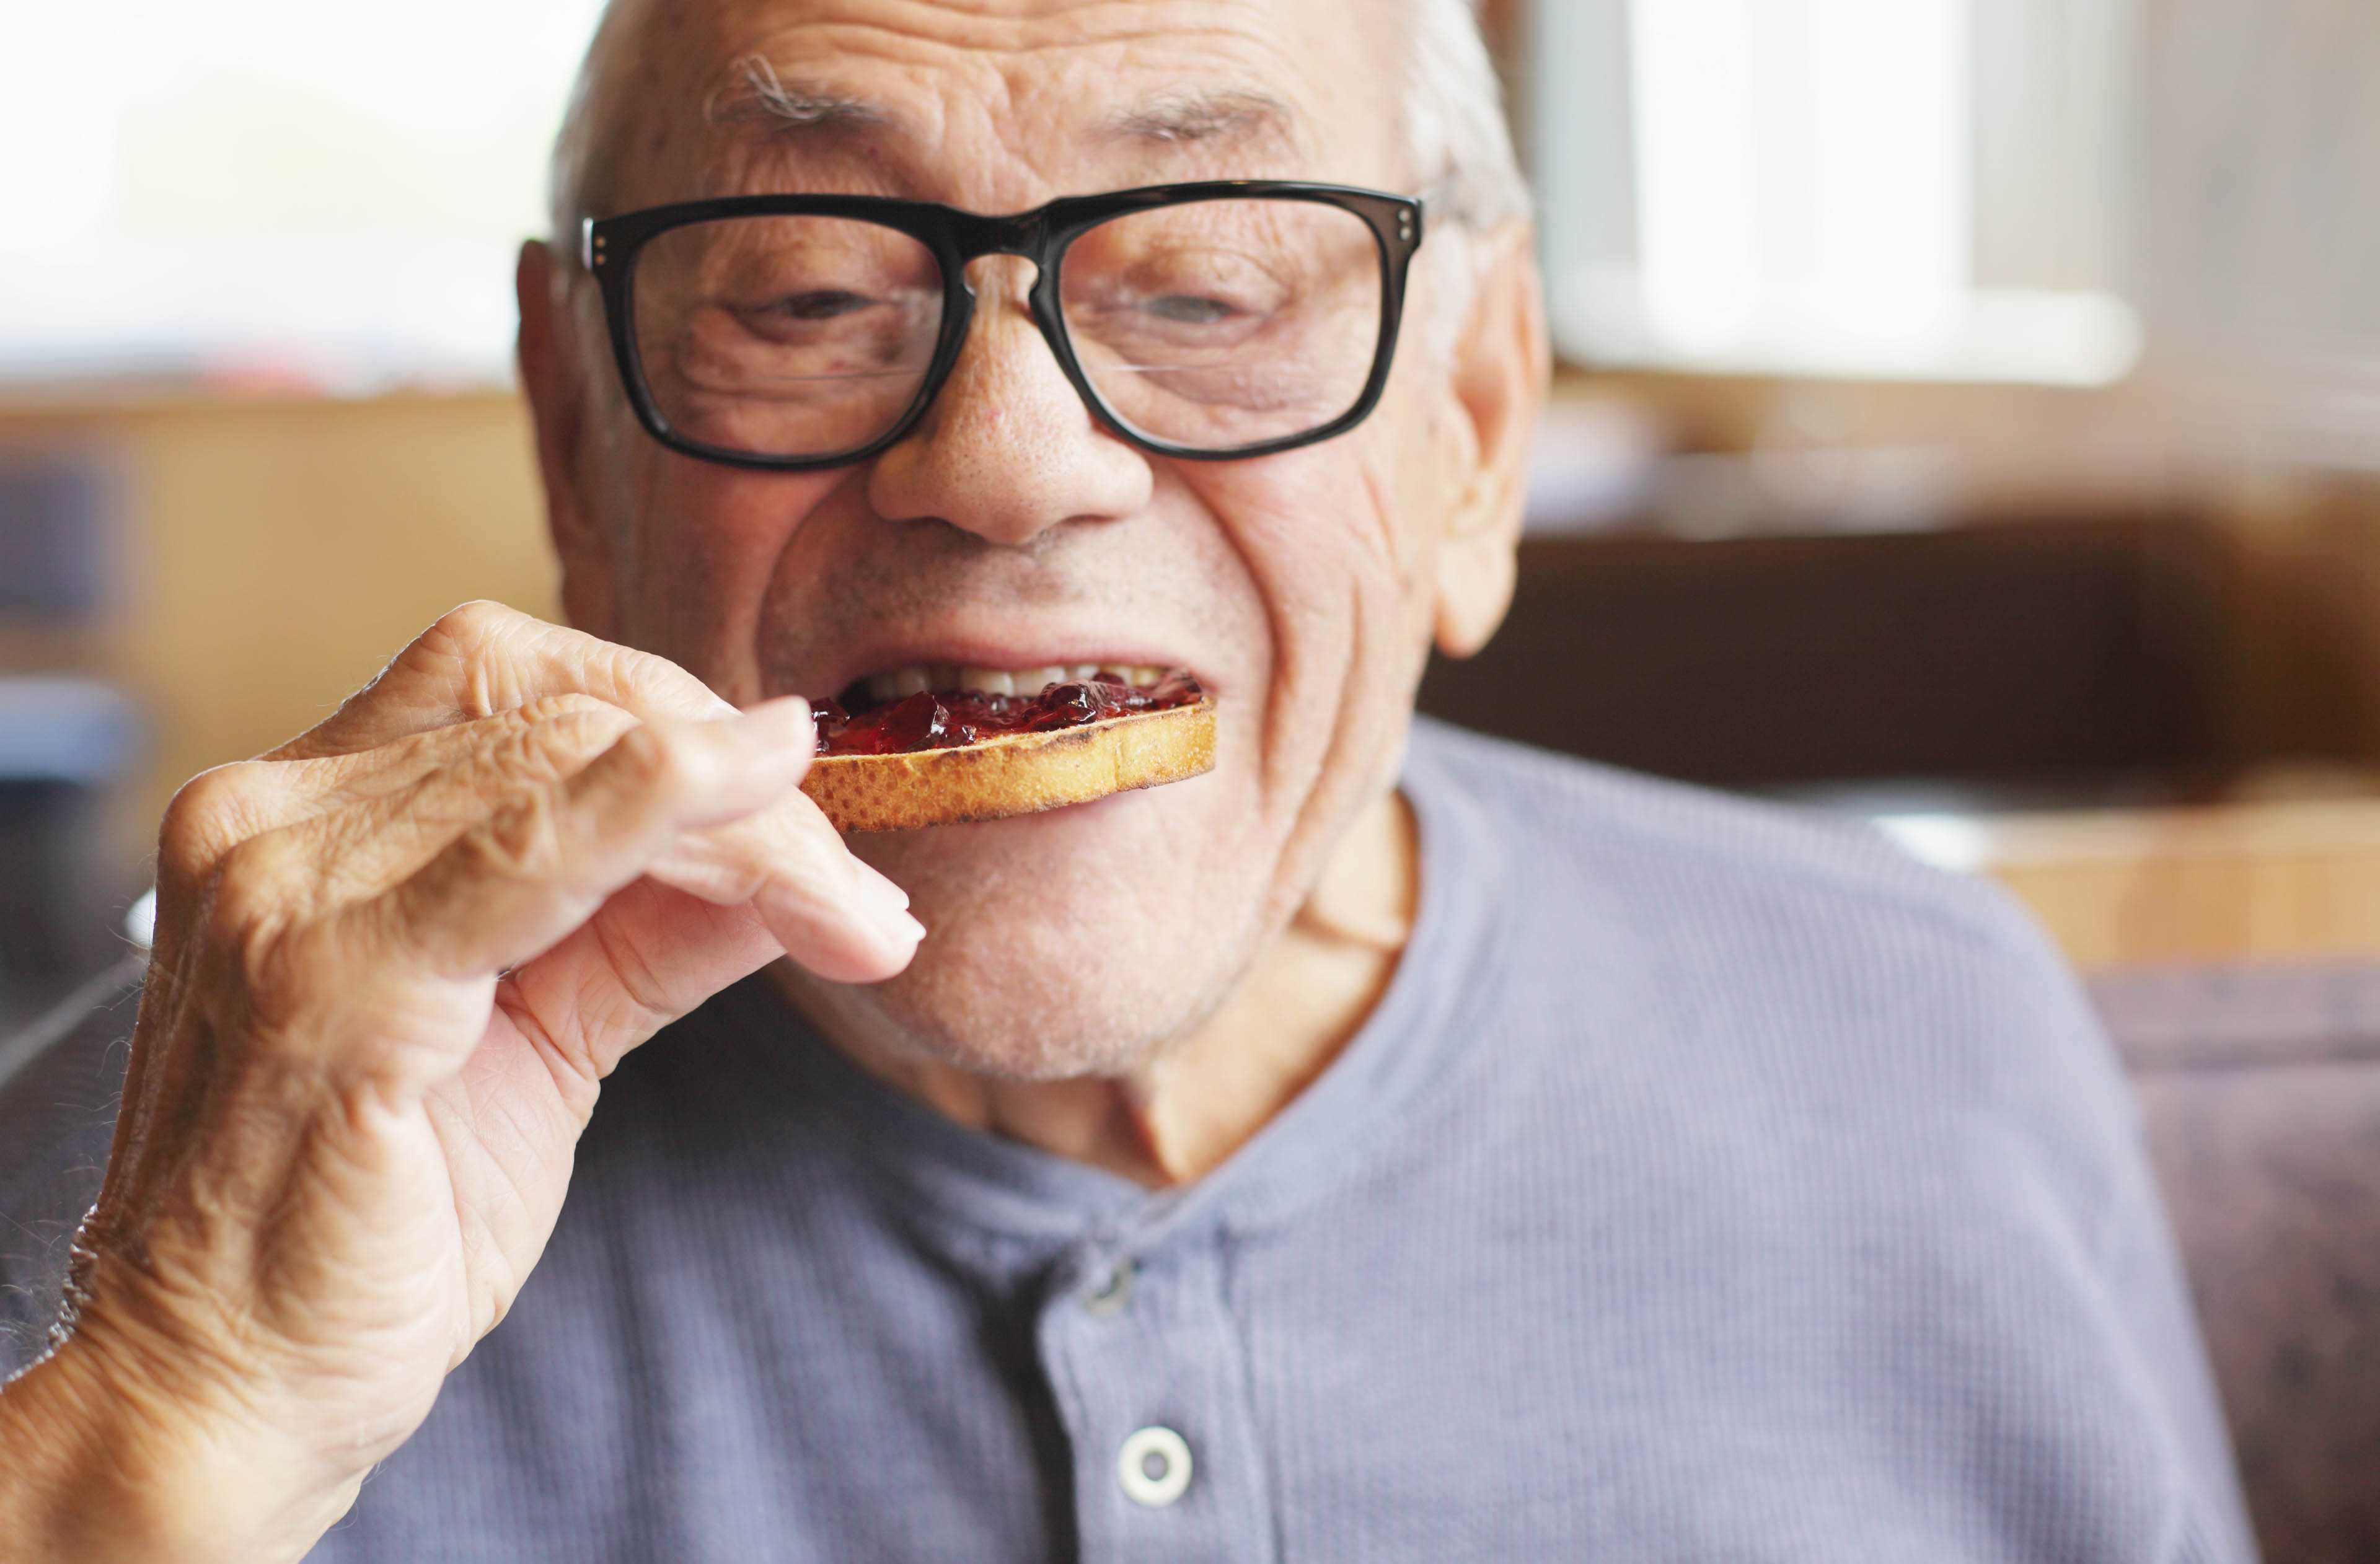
(1190, 310)
(824, 304)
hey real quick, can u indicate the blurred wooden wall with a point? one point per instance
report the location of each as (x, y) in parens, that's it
(275, 553)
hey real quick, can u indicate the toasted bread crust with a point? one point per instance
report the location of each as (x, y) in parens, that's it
(1017, 774)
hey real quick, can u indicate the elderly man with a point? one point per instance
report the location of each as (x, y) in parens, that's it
(1389, 1145)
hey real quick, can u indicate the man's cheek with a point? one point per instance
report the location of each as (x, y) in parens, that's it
(1313, 544)
(708, 538)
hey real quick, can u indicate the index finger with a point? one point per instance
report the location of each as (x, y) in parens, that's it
(484, 658)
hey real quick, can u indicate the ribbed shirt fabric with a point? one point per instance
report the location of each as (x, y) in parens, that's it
(1713, 1182)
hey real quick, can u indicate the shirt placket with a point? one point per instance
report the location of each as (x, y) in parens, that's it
(1146, 1369)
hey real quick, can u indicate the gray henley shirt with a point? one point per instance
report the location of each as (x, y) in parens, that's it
(1713, 1182)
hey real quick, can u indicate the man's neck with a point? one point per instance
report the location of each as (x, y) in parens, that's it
(1182, 1113)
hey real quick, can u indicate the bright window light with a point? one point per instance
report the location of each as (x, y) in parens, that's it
(1884, 94)
(1698, 167)
(276, 192)
(1797, 188)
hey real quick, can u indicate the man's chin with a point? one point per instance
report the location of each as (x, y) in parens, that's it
(999, 1022)
(1060, 945)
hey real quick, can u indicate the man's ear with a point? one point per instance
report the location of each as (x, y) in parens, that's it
(1500, 364)
(553, 370)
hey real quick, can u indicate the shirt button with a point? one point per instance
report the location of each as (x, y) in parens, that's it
(1154, 1466)
(1113, 1292)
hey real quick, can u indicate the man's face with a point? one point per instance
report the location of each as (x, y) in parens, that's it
(1011, 530)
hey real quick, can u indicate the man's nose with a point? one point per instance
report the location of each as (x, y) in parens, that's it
(1008, 450)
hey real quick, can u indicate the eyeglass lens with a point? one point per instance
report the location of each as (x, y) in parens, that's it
(1212, 325)
(785, 336)
(1226, 323)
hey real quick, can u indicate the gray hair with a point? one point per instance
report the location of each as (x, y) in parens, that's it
(1458, 143)
(1456, 135)
(1461, 149)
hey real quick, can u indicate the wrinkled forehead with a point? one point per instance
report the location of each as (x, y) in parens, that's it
(990, 104)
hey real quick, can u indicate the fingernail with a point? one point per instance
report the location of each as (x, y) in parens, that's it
(780, 724)
(885, 904)
(872, 884)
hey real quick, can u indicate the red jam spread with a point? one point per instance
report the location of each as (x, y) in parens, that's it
(954, 719)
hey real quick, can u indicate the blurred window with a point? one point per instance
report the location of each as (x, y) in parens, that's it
(284, 192)
(1922, 188)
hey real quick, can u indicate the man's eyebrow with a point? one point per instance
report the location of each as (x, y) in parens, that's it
(1235, 116)
(758, 92)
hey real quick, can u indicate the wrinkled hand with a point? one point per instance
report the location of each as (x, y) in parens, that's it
(393, 961)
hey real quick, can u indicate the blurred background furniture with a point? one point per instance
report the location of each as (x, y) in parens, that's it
(2260, 1091)
(2076, 649)
(67, 743)
(2230, 948)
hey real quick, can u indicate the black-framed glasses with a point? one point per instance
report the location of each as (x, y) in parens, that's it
(1211, 321)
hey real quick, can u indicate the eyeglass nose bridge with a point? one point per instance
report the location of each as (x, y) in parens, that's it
(1018, 233)
(1029, 236)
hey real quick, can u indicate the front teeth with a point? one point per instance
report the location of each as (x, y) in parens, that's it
(899, 683)
(1033, 681)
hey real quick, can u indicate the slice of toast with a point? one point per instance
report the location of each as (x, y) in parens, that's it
(1014, 774)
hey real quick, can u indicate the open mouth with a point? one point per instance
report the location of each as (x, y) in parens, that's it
(934, 744)
(940, 706)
